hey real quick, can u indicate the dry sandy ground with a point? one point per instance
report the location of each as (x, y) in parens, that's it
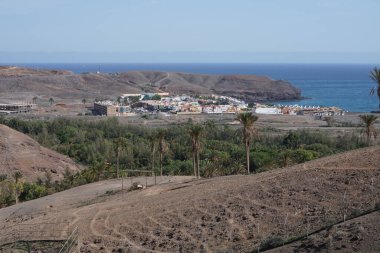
(233, 214)
(19, 152)
(39, 215)
(357, 235)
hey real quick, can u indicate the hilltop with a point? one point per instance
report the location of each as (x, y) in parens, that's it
(18, 83)
(19, 152)
(234, 213)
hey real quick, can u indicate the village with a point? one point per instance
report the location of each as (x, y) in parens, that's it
(134, 104)
(164, 103)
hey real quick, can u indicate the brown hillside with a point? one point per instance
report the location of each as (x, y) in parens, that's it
(20, 83)
(18, 152)
(357, 235)
(228, 214)
(13, 71)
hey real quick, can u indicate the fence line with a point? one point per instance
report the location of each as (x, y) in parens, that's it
(34, 232)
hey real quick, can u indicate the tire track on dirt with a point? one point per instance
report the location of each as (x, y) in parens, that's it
(191, 223)
(124, 238)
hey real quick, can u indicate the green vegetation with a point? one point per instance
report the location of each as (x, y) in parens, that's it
(195, 132)
(369, 128)
(162, 147)
(375, 76)
(247, 119)
(133, 100)
(13, 190)
(120, 144)
(107, 148)
(156, 97)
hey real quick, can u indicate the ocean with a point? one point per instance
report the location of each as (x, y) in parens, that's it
(343, 85)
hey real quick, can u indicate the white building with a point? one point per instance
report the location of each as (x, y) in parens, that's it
(268, 110)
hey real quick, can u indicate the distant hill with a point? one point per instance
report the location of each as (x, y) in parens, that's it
(23, 84)
(19, 152)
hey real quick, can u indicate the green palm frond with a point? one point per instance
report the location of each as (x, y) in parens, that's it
(368, 120)
(375, 75)
(369, 126)
(195, 132)
(247, 119)
(372, 92)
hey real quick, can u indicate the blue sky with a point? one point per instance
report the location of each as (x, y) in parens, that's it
(190, 31)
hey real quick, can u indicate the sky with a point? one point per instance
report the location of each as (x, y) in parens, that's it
(228, 31)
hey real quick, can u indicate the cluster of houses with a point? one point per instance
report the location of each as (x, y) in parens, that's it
(15, 108)
(315, 111)
(163, 102)
(132, 104)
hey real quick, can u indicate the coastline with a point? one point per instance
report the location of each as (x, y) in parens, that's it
(343, 85)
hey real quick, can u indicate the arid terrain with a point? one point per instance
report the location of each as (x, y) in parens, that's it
(19, 152)
(357, 235)
(225, 214)
(20, 84)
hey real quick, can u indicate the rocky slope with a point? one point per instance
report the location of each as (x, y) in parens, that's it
(19, 152)
(357, 235)
(24, 84)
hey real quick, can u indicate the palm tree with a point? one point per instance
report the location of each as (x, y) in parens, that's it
(120, 144)
(152, 139)
(369, 128)
(247, 119)
(51, 101)
(94, 172)
(161, 146)
(375, 76)
(195, 132)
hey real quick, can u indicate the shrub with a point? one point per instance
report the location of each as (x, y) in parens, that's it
(292, 140)
(271, 242)
(32, 191)
(262, 160)
(321, 149)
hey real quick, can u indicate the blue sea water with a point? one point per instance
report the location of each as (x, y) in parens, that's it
(343, 85)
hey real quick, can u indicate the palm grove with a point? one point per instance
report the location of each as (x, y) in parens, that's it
(107, 148)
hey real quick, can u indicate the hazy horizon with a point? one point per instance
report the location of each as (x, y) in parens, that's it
(190, 58)
(172, 31)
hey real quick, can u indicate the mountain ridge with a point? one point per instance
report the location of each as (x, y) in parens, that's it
(24, 83)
